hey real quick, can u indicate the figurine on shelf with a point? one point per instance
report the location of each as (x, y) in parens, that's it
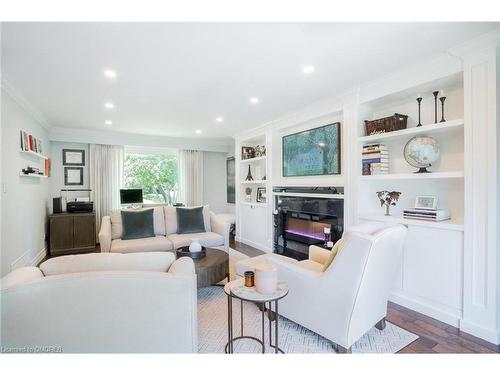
(388, 199)
(249, 175)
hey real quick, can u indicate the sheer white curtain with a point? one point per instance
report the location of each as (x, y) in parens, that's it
(106, 178)
(191, 177)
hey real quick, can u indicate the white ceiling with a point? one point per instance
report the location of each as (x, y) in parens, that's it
(174, 78)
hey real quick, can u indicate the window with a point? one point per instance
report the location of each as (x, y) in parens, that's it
(154, 171)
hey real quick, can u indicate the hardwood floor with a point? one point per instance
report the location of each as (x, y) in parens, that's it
(434, 336)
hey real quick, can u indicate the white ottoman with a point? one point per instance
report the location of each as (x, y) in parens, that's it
(249, 264)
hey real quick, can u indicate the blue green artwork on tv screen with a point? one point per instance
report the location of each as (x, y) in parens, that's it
(312, 152)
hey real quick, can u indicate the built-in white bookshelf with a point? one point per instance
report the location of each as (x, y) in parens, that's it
(446, 180)
(253, 217)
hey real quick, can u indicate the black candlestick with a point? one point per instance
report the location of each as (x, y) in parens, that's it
(435, 93)
(419, 100)
(442, 99)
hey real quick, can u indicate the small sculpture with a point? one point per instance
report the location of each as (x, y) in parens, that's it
(388, 199)
(249, 175)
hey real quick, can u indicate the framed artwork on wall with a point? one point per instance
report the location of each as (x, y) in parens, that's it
(73, 176)
(73, 157)
(312, 152)
(231, 180)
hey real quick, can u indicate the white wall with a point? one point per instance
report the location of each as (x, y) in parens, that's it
(24, 199)
(57, 175)
(214, 185)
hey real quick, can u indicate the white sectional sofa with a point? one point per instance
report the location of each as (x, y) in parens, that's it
(165, 227)
(102, 303)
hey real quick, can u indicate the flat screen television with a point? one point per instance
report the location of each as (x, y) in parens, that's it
(129, 196)
(312, 152)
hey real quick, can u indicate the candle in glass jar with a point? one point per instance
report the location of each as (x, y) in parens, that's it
(249, 278)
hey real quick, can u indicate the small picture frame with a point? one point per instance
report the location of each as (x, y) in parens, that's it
(261, 195)
(425, 202)
(73, 176)
(73, 157)
(247, 152)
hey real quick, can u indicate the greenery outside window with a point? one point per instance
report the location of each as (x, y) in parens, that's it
(154, 171)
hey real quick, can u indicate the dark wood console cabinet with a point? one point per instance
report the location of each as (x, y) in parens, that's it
(72, 233)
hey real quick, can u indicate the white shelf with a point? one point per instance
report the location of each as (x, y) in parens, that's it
(246, 161)
(32, 175)
(255, 204)
(446, 224)
(413, 176)
(34, 154)
(254, 182)
(427, 129)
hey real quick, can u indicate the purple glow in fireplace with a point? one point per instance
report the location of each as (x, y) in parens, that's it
(319, 237)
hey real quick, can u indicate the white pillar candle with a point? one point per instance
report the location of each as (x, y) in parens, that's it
(266, 278)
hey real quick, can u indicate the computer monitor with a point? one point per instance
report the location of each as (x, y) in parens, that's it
(130, 196)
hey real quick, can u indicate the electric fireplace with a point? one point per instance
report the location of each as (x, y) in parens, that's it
(301, 216)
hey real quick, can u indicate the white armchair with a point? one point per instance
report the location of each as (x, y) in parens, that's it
(345, 300)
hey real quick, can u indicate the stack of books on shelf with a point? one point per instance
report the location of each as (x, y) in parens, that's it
(375, 159)
(426, 214)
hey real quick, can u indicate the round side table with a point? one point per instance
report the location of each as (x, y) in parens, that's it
(237, 289)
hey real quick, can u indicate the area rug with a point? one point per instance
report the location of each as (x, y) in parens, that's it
(293, 338)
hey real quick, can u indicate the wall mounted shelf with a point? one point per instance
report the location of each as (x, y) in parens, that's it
(38, 155)
(33, 175)
(424, 129)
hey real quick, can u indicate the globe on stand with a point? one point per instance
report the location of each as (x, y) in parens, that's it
(421, 152)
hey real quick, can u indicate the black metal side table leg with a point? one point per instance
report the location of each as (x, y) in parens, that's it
(229, 324)
(276, 330)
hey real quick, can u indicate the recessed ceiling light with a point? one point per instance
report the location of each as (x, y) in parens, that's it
(110, 73)
(108, 122)
(219, 119)
(109, 105)
(198, 131)
(308, 69)
(254, 100)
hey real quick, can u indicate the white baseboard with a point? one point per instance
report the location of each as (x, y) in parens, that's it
(445, 314)
(256, 245)
(485, 333)
(22, 261)
(39, 257)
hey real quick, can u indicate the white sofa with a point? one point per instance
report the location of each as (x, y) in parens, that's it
(102, 303)
(348, 298)
(166, 238)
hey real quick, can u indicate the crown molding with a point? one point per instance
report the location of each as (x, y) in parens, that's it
(34, 113)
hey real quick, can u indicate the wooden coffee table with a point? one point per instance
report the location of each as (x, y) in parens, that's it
(212, 268)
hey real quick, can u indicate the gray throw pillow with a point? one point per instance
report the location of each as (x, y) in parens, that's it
(190, 220)
(137, 224)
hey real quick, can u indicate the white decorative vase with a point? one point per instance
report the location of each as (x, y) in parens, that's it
(195, 246)
(266, 278)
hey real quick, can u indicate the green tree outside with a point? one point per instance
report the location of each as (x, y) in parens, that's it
(156, 175)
